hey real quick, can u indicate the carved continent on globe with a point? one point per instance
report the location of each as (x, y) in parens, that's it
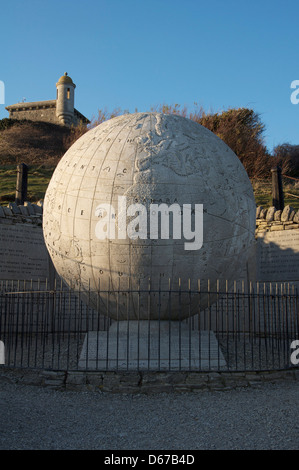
(150, 158)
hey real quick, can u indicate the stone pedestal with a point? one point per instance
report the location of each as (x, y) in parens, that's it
(154, 345)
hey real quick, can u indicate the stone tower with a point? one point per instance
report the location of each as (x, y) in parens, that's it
(65, 100)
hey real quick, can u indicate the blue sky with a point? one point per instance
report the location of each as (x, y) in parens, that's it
(135, 54)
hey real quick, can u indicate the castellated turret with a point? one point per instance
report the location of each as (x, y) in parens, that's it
(59, 111)
(65, 99)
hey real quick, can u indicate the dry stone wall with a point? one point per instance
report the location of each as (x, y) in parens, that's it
(277, 250)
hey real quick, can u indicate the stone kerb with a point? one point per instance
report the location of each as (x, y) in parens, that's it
(146, 382)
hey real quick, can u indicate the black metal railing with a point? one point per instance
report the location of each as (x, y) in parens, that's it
(237, 328)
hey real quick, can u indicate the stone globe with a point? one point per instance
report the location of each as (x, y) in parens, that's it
(144, 204)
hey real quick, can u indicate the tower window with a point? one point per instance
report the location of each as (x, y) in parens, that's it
(68, 93)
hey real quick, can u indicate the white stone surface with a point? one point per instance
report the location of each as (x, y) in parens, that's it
(148, 157)
(151, 345)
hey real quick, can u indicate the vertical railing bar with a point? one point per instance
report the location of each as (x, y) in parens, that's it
(148, 324)
(107, 336)
(117, 324)
(128, 317)
(199, 325)
(70, 292)
(17, 325)
(266, 327)
(217, 321)
(43, 336)
(190, 338)
(227, 325)
(52, 304)
(259, 323)
(272, 320)
(250, 325)
(180, 319)
(287, 322)
(99, 319)
(159, 329)
(278, 322)
(138, 326)
(244, 322)
(169, 322)
(235, 325)
(209, 323)
(78, 324)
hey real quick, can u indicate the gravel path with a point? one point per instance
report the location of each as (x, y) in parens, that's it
(35, 418)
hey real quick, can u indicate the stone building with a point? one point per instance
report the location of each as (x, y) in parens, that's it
(59, 111)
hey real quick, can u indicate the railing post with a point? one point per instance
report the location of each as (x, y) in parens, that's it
(277, 190)
(21, 187)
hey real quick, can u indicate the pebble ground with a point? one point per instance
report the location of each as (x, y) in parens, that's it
(265, 417)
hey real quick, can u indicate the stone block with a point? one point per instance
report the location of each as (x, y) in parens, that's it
(76, 378)
(7, 211)
(194, 378)
(94, 379)
(53, 379)
(263, 214)
(6, 221)
(286, 213)
(24, 210)
(258, 211)
(29, 207)
(277, 215)
(14, 208)
(2, 213)
(37, 209)
(270, 214)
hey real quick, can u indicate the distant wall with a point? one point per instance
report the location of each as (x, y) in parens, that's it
(43, 113)
(277, 250)
(23, 254)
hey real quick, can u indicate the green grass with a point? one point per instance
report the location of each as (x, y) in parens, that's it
(38, 180)
(39, 177)
(263, 193)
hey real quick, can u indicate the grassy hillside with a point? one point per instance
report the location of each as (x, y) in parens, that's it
(33, 143)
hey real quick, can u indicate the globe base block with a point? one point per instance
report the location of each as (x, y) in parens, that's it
(154, 345)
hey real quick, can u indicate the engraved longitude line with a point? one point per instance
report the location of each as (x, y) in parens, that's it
(112, 192)
(66, 191)
(87, 167)
(136, 155)
(227, 220)
(151, 167)
(136, 152)
(94, 191)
